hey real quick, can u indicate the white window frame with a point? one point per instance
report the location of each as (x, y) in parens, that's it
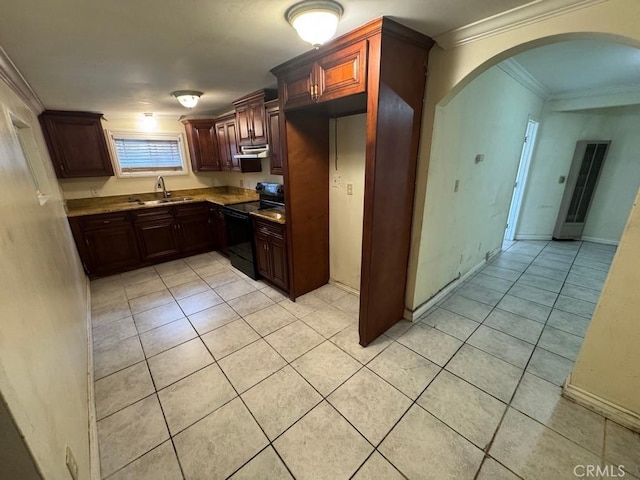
(128, 135)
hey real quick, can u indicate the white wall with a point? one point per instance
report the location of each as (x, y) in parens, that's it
(487, 117)
(43, 308)
(619, 180)
(607, 366)
(106, 186)
(454, 68)
(346, 211)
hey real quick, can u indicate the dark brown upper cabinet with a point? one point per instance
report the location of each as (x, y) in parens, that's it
(250, 117)
(273, 130)
(337, 74)
(227, 143)
(76, 143)
(203, 145)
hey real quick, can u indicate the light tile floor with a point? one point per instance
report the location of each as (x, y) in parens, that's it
(202, 373)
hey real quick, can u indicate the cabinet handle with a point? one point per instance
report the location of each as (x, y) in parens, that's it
(106, 222)
(86, 240)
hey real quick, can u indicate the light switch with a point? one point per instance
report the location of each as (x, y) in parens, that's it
(336, 181)
(349, 188)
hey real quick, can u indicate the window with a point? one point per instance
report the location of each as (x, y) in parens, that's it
(145, 154)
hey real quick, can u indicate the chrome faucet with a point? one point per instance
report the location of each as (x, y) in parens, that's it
(160, 184)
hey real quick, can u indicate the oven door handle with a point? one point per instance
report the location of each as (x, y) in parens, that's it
(240, 216)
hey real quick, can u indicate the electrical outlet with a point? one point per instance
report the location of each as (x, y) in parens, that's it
(242, 183)
(71, 464)
(94, 191)
(349, 188)
(336, 181)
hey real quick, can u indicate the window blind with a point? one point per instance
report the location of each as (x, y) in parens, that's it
(136, 155)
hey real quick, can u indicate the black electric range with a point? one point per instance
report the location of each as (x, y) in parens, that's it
(240, 230)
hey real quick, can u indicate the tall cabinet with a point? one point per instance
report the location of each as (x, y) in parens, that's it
(379, 69)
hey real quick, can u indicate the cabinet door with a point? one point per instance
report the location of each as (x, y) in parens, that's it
(296, 86)
(263, 257)
(223, 146)
(157, 239)
(111, 249)
(194, 229)
(342, 73)
(203, 146)
(232, 138)
(243, 123)
(219, 229)
(258, 123)
(279, 264)
(276, 160)
(77, 144)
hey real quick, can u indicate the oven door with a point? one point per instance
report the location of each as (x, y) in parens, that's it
(240, 241)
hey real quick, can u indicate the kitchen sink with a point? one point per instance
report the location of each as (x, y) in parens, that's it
(162, 201)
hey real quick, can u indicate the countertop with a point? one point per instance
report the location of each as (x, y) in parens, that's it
(218, 195)
(272, 214)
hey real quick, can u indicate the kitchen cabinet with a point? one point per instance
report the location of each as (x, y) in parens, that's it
(271, 252)
(194, 228)
(336, 74)
(76, 144)
(120, 241)
(250, 117)
(106, 243)
(219, 229)
(203, 145)
(273, 130)
(378, 69)
(157, 234)
(225, 128)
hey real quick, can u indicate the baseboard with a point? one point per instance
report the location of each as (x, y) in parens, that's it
(344, 287)
(412, 315)
(604, 407)
(526, 236)
(603, 241)
(94, 452)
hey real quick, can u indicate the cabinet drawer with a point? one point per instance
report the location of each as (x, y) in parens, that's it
(150, 214)
(270, 229)
(191, 209)
(94, 222)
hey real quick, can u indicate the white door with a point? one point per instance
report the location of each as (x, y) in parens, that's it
(521, 179)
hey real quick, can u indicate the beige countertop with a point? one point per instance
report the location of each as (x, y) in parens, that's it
(272, 214)
(117, 203)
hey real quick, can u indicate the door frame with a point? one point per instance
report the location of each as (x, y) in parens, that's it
(520, 182)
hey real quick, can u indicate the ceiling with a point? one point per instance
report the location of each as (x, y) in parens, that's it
(579, 65)
(124, 57)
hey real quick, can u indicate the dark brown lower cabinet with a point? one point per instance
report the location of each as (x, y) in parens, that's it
(218, 229)
(271, 252)
(107, 243)
(116, 242)
(157, 234)
(194, 228)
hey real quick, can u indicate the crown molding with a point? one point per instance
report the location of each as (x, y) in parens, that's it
(629, 88)
(12, 77)
(532, 12)
(516, 71)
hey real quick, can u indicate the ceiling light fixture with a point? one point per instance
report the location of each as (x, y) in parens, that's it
(315, 20)
(187, 98)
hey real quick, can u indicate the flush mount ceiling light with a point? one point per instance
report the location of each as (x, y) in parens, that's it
(187, 98)
(315, 20)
